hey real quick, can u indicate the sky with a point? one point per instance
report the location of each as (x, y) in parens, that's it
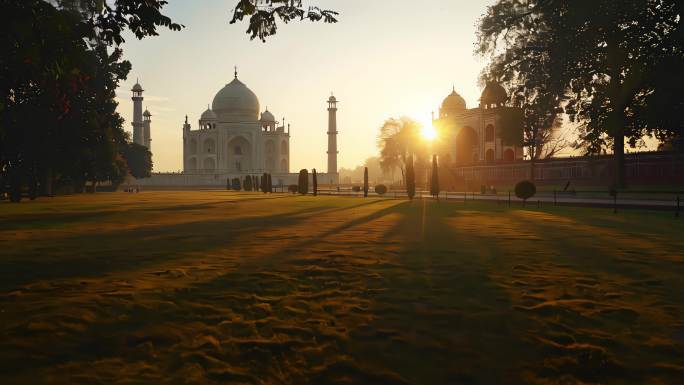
(384, 58)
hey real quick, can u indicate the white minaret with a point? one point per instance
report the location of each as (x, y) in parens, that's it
(332, 136)
(147, 120)
(138, 126)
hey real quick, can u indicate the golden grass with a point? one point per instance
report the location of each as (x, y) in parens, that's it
(223, 287)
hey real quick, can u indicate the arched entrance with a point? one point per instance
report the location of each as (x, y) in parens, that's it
(239, 152)
(489, 156)
(509, 155)
(209, 164)
(466, 143)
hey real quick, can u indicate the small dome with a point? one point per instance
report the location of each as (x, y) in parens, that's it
(137, 87)
(332, 99)
(147, 113)
(208, 115)
(236, 103)
(267, 116)
(493, 93)
(453, 102)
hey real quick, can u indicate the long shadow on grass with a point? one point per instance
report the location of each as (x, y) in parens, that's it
(91, 255)
(47, 220)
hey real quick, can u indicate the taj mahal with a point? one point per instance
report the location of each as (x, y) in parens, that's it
(234, 138)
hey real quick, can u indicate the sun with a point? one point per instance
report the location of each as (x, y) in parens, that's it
(428, 132)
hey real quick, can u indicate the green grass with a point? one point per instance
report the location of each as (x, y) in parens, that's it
(220, 287)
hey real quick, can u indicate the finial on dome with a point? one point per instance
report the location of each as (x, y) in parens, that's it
(235, 72)
(186, 119)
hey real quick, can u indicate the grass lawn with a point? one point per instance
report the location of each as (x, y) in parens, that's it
(222, 288)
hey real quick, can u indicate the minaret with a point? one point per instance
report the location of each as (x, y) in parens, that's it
(147, 119)
(332, 135)
(138, 129)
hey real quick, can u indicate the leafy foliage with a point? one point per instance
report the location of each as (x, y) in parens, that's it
(303, 185)
(139, 160)
(611, 66)
(525, 190)
(381, 189)
(263, 17)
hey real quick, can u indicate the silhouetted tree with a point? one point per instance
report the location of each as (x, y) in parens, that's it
(263, 15)
(410, 178)
(270, 183)
(247, 184)
(525, 190)
(315, 182)
(139, 160)
(236, 184)
(615, 66)
(303, 186)
(381, 189)
(434, 180)
(365, 182)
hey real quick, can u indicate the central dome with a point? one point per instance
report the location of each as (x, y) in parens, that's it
(236, 103)
(453, 103)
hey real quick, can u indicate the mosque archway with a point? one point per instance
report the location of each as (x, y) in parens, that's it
(192, 164)
(209, 164)
(209, 146)
(239, 152)
(192, 147)
(283, 147)
(489, 133)
(270, 147)
(509, 155)
(489, 156)
(466, 144)
(283, 165)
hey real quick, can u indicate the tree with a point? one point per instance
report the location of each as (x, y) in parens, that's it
(434, 180)
(262, 22)
(139, 160)
(315, 182)
(525, 190)
(269, 183)
(264, 183)
(365, 182)
(247, 183)
(303, 185)
(605, 62)
(398, 140)
(410, 178)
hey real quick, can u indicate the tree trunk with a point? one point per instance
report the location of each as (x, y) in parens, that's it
(619, 157)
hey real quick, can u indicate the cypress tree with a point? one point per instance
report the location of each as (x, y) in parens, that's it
(247, 184)
(315, 183)
(270, 183)
(303, 187)
(255, 184)
(365, 182)
(434, 182)
(410, 178)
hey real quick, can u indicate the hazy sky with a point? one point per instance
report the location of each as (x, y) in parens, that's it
(384, 58)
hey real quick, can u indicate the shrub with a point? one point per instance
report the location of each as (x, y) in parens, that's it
(434, 180)
(235, 184)
(410, 178)
(381, 189)
(303, 186)
(525, 190)
(356, 188)
(293, 188)
(247, 184)
(315, 183)
(365, 182)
